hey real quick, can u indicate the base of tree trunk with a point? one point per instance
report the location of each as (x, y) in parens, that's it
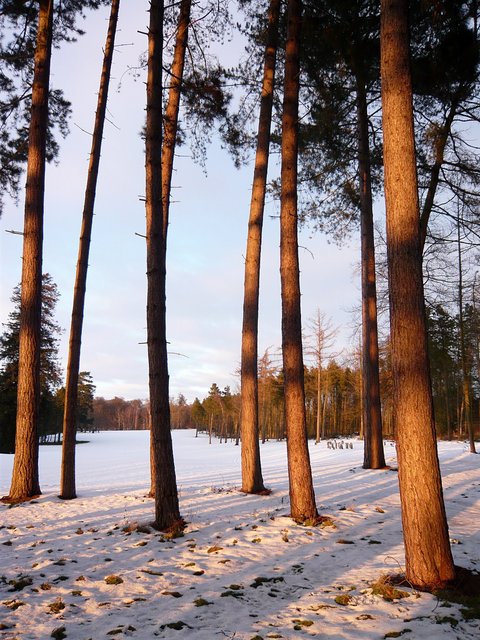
(264, 491)
(175, 530)
(18, 500)
(463, 589)
(385, 467)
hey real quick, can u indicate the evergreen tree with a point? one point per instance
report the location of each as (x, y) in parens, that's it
(67, 481)
(252, 480)
(429, 562)
(164, 482)
(18, 34)
(302, 496)
(50, 371)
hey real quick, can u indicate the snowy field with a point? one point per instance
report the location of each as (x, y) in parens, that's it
(82, 570)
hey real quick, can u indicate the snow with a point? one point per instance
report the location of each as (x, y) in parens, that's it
(207, 583)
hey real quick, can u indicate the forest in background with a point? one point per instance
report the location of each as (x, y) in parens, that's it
(335, 387)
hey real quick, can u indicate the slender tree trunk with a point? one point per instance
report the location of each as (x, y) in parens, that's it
(173, 107)
(170, 123)
(25, 481)
(252, 480)
(318, 417)
(466, 377)
(429, 562)
(167, 512)
(374, 457)
(67, 482)
(302, 497)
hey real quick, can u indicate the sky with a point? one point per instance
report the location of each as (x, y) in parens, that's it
(206, 243)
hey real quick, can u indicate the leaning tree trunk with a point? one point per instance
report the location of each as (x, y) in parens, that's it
(302, 497)
(167, 512)
(172, 108)
(429, 562)
(374, 457)
(252, 480)
(67, 482)
(170, 133)
(25, 482)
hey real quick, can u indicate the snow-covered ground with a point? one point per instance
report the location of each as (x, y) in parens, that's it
(81, 570)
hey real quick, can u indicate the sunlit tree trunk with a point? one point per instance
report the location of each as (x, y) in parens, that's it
(374, 457)
(252, 480)
(25, 482)
(67, 482)
(167, 512)
(428, 556)
(172, 108)
(302, 497)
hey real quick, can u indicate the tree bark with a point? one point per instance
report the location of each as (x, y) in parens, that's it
(25, 482)
(170, 123)
(374, 457)
(67, 482)
(429, 562)
(167, 512)
(172, 109)
(252, 480)
(302, 497)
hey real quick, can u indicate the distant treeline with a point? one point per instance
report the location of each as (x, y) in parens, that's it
(333, 400)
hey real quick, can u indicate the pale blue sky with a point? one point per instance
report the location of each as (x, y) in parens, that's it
(206, 243)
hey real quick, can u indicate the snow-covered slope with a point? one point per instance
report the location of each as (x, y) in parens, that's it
(82, 570)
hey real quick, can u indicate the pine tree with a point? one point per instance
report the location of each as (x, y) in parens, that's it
(50, 371)
(429, 562)
(302, 496)
(252, 480)
(67, 481)
(167, 512)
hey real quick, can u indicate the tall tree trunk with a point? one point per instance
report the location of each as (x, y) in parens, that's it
(67, 482)
(374, 457)
(167, 512)
(302, 497)
(428, 555)
(173, 107)
(25, 481)
(318, 416)
(252, 480)
(170, 123)
(466, 371)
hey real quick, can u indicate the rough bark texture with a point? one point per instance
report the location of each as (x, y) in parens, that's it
(428, 556)
(170, 125)
(25, 482)
(374, 457)
(166, 497)
(302, 497)
(252, 480)
(67, 482)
